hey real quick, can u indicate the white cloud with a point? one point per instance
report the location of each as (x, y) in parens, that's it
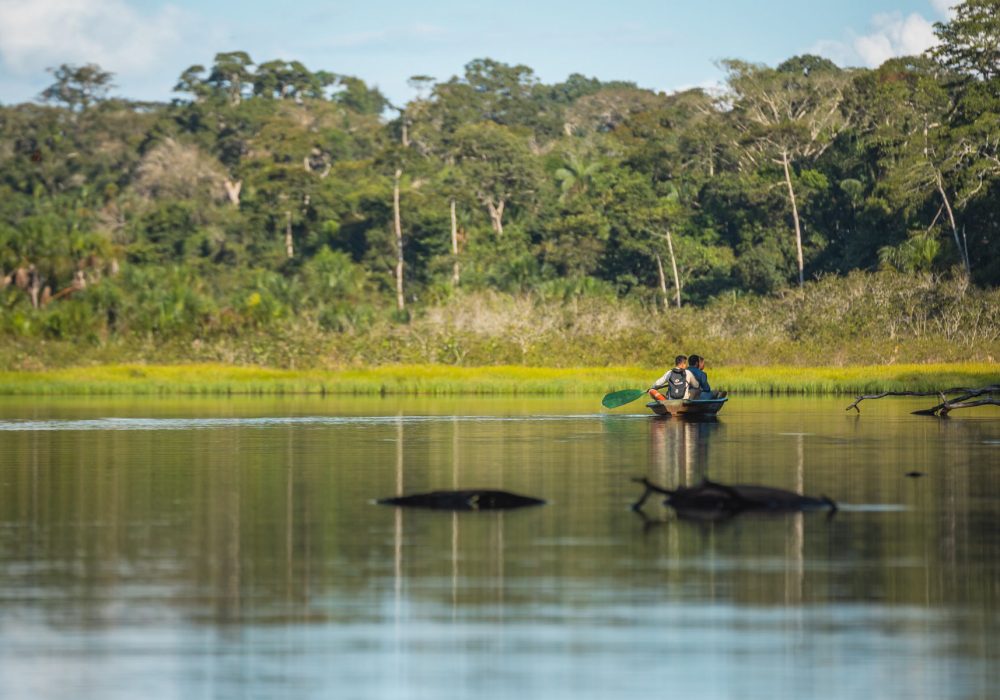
(716, 87)
(43, 33)
(891, 35)
(839, 52)
(895, 35)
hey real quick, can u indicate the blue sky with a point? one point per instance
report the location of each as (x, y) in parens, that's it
(662, 44)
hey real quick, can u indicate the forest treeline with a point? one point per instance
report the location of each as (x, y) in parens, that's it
(271, 209)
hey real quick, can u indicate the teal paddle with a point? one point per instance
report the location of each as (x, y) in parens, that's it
(620, 398)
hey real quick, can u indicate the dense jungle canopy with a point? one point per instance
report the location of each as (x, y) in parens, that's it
(270, 196)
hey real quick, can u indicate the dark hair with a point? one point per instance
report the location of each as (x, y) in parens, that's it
(679, 359)
(694, 359)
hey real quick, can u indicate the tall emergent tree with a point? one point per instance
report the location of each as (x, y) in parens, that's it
(499, 166)
(78, 87)
(901, 111)
(787, 115)
(231, 75)
(970, 41)
(970, 47)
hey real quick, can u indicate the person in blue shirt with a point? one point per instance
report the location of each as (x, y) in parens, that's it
(696, 366)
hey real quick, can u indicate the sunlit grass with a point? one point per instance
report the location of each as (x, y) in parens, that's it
(214, 379)
(854, 380)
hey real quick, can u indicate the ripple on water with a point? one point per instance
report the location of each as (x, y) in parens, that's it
(258, 422)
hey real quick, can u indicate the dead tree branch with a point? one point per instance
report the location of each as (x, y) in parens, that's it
(962, 400)
(966, 404)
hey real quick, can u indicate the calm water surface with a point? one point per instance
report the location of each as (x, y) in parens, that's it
(207, 548)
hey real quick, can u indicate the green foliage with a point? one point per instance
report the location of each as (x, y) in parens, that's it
(164, 301)
(807, 64)
(230, 75)
(970, 41)
(916, 254)
(359, 97)
(336, 288)
(259, 206)
(78, 87)
(762, 268)
(576, 242)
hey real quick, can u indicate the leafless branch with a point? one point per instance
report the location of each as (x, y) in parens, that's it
(960, 401)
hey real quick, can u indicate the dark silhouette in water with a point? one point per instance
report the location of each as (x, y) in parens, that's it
(713, 500)
(470, 499)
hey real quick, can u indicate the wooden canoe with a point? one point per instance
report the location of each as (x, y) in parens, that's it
(687, 407)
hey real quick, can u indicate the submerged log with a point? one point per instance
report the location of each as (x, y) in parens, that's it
(946, 406)
(962, 400)
(712, 499)
(465, 500)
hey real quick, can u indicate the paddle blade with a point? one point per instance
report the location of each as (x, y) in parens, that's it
(620, 398)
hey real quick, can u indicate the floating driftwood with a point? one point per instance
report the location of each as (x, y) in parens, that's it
(964, 398)
(710, 499)
(466, 500)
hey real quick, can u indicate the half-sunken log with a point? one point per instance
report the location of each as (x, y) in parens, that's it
(710, 498)
(941, 410)
(470, 499)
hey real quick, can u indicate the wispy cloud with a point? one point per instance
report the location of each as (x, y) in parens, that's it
(890, 35)
(42, 33)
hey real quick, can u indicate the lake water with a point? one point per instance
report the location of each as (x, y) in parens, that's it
(206, 548)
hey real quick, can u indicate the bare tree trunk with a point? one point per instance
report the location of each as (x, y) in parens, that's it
(795, 216)
(398, 228)
(496, 214)
(663, 281)
(963, 252)
(235, 90)
(454, 246)
(289, 248)
(673, 264)
(34, 286)
(233, 191)
(965, 247)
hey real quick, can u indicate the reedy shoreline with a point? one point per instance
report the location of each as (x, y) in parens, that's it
(510, 380)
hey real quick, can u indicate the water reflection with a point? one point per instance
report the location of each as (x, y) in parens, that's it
(681, 454)
(245, 559)
(680, 448)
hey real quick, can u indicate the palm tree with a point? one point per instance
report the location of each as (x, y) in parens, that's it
(576, 175)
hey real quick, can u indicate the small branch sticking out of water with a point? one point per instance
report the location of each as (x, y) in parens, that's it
(962, 400)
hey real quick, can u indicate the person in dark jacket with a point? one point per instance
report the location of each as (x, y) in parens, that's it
(696, 366)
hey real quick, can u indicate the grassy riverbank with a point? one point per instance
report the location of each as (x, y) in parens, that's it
(215, 379)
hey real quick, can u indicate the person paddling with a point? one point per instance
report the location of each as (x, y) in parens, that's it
(679, 382)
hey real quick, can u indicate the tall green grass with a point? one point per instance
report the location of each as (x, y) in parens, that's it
(215, 379)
